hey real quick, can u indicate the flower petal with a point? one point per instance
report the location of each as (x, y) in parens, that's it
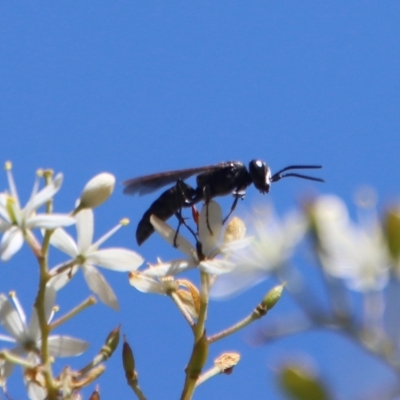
(45, 194)
(216, 266)
(170, 268)
(98, 285)
(19, 308)
(34, 328)
(11, 242)
(232, 284)
(116, 259)
(169, 234)
(10, 319)
(6, 368)
(146, 284)
(4, 225)
(84, 226)
(49, 301)
(59, 280)
(62, 241)
(35, 392)
(65, 346)
(5, 338)
(210, 225)
(3, 207)
(49, 221)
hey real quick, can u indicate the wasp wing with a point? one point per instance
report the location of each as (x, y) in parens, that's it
(150, 183)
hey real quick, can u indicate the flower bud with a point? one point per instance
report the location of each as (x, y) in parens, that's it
(272, 297)
(97, 190)
(111, 342)
(302, 384)
(95, 395)
(392, 231)
(128, 361)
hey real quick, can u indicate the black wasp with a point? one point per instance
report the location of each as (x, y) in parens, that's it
(230, 177)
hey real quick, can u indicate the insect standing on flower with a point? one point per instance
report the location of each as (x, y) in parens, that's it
(230, 177)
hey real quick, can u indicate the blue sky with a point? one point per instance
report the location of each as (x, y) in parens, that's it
(138, 87)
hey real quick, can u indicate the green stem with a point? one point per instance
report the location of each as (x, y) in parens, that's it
(90, 301)
(257, 313)
(42, 257)
(204, 295)
(197, 360)
(44, 327)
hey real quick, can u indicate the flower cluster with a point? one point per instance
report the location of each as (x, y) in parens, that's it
(34, 347)
(209, 254)
(362, 256)
(17, 223)
(356, 253)
(235, 261)
(27, 337)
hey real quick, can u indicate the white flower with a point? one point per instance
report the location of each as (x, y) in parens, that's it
(148, 284)
(186, 292)
(202, 257)
(15, 221)
(355, 253)
(97, 190)
(27, 337)
(86, 255)
(271, 246)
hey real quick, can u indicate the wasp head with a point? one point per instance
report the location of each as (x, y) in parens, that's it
(260, 175)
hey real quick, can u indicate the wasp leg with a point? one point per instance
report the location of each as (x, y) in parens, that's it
(199, 250)
(207, 197)
(182, 221)
(239, 195)
(179, 216)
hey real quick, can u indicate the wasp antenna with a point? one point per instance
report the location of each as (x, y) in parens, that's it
(276, 177)
(298, 167)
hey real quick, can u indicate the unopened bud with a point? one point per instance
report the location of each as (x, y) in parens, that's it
(95, 395)
(111, 342)
(128, 361)
(302, 384)
(97, 190)
(272, 297)
(392, 231)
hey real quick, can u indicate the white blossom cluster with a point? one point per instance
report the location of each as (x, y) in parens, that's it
(363, 255)
(27, 224)
(355, 252)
